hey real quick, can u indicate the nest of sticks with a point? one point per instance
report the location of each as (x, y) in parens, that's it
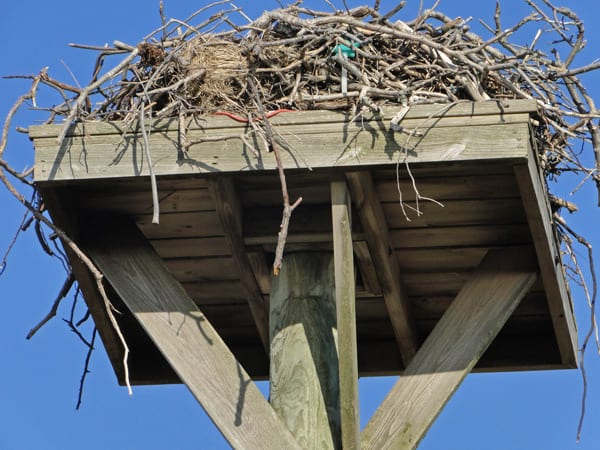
(357, 60)
(296, 58)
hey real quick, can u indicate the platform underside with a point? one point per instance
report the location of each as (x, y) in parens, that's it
(477, 205)
(479, 209)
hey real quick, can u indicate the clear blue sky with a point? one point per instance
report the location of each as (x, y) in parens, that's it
(39, 378)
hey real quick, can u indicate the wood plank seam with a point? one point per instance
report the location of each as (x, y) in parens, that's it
(451, 350)
(230, 214)
(384, 258)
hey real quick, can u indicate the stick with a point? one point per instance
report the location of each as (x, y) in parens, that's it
(287, 208)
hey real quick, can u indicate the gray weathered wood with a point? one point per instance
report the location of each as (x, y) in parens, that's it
(186, 339)
(364, 263)
(498, 111)
(322, 139)
(385, 262)
(58, 202)
(304, 363)
(230, 212)
(452, 349)
(551, 268)
(341, 216)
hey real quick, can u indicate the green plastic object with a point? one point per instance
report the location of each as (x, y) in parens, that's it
(348, 52)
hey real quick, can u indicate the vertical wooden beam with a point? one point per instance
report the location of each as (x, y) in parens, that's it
(230, 214)
(185, 337)
(304, 363)
(384, 259)
(345, 300)
(454, 346)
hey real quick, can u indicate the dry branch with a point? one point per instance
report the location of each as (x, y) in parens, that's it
(354, 60)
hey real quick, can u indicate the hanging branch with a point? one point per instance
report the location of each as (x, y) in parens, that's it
(86, 369)
(67, 285)
(288, 208)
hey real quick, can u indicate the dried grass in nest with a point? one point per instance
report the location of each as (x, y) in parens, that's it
(287, 59)
(223, 66)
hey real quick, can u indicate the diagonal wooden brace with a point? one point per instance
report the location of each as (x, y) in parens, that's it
(185, 337)
(466, 329)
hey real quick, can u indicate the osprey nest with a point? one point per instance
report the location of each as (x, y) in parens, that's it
(354, 60)
(219, 61)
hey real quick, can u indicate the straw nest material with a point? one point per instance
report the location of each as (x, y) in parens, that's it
(299, 59)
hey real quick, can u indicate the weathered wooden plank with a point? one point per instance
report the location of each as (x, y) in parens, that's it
(304, 363)
(491, 235)
(186, 338)
(455, 213)
(462, 187)
(181, 225)
(451, 350)
(433, 307)
(108, 156)
(262, 270)
(366, 268)
(485, 235)
(230, 213)
(385, 262)
(418, 112)
(191, 247)
(60, 207)
(536, 205)
(345, 301)
(207, 292)
(217, 268)
(315, 218)
(140, 202)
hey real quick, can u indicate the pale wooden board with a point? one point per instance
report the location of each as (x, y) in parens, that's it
(304, 361)
(191, 247)
(501, 110)
(108, 156)
(140, 202)
(384, 260)
(229, 209)
(186, 339)
(552, 271)
(217, 268)
(343, 254)
(451, 351)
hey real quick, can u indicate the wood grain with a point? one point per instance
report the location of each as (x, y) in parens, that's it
(384, 260)
(553, 275)
(229, 210)
(304, 363)
(186, 339)
(450, 352)
(324, 143)
(345, 301)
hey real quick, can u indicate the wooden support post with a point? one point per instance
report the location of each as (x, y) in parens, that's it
(185, 337)
(230, 214)
(452, 349)
(345, 301)
(539, 217)
(304, 363)
(384, 258)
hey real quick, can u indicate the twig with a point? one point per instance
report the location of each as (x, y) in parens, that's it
(287, 208)
(86, 369)
(64, 290)
(154, 185)
(85, 92)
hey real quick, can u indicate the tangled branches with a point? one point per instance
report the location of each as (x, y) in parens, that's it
(304, 59)
(354, 60)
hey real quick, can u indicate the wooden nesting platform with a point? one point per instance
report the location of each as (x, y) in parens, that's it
(221, 206)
